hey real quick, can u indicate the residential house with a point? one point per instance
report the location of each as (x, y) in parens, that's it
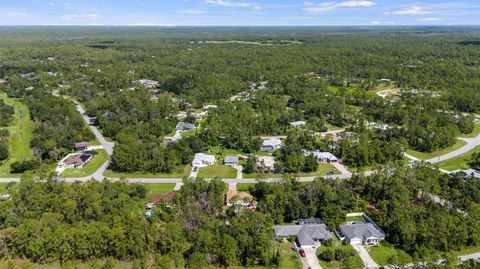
(202, 160)
(266, 163)
(76, 160)
(147, 83)
(271, 144)
(309, 233)
(468, 173)
(298, 124)
(184, 126)
(359, 232)
(239, 198)
(231, 160)
(323, 156)
(81, 146)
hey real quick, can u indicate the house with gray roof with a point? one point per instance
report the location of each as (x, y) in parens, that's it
(231, 160)
(308, 235)
(184, 126)
(359, 232)
(298, 124)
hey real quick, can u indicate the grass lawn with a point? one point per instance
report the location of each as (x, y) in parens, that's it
(21, 130)
(217, 170)
(98, 160)
(468, 251)
(356, 262)
(159, 187)
(459, 162)
(430, 155)
(385, 254)
(244, 186)
(179, 172)
(474, 133)
(3, 186)
(189, 133)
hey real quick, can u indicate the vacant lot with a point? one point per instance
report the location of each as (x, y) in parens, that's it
(20, 135)
(179, 172)
(217, 170)
(430, 155)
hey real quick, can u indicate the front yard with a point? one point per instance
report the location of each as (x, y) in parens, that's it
(217, 170)
(97, 161)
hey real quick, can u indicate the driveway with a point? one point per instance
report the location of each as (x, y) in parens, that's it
(194, 172)
(239, 169)
(310, 260)
(363, 253)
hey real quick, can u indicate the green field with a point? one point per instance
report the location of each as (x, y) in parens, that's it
(20, 135)
(100, 158)
(430, 155)
(385, 255)
(159, 187)
(475, 133)
(217, 170)
(179, 172)
(459, 162)
(322, 170)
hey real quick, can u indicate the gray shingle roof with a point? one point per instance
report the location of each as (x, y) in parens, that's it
(306, 234)
(360, 230)
(231, 159)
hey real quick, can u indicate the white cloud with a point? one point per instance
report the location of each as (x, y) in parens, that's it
(51, 4)
(431, 19)
(67, 4)
(228, 3)
(413, 10)
(374, 22)
(325, 6)
(87, 17)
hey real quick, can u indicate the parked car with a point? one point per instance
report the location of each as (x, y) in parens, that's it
(195, 168)
(302, 253)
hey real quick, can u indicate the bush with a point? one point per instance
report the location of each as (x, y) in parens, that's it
(327, 254)
(3, 152)
(344, 253)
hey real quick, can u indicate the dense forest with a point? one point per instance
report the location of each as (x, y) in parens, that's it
(46, 220)
(328, 77)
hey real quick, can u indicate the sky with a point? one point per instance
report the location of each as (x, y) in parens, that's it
(239, 12)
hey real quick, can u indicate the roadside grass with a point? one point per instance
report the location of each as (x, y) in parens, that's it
(98, 160)
(459, 162)
(27, 264)
(217, 170)
(474, 133)
(384, 254)
(322, 170)
(244, 186)
(179, 172)
(21, 130)
(430, 155)
(467, 251)
(159, 187)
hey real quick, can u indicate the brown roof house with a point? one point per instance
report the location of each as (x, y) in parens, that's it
(76, 160)
(81, 146)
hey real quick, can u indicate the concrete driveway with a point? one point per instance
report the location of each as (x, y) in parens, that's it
(310, 260)
(363, 253)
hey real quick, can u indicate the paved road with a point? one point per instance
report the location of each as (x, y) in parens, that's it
(363, 253)
(471, 144)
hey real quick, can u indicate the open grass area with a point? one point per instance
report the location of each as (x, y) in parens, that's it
(459, 162)
(474, 133)
(159, 187)
(430, 155)
(244, 186)
(179, 172)
(21, 130)
(217, 170)
(98, 160)
(385, 254)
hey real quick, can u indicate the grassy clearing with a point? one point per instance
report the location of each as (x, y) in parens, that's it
(459, 162)
(179, 172)
(384, 254)
(159, 187)
(21, 131)
(474, 133)
(98, 160)
(430, 155)
(217, 170)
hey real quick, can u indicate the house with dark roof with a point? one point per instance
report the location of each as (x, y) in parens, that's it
(81, 146)
(308, 233)
(358, 232)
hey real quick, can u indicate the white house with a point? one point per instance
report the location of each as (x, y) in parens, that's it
(266, 163)
(271, 144)
(202, 160)
(298, 124)
(323, 156)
